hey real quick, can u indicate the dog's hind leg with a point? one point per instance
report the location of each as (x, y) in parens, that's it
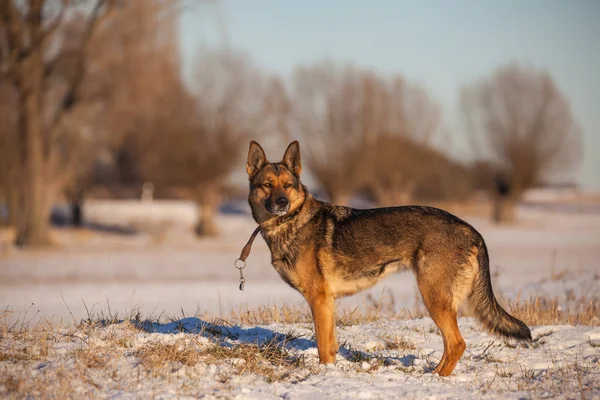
(322, 309)
(444, 313)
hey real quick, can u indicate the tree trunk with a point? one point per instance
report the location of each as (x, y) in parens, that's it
(33, 219)
(208, 202)
(505, 210)
(77, 213)
(206, 225)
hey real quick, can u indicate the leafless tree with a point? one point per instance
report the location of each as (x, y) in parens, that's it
(27, 61)
(134, 62)
(354, 124)
(521, 122)
(402, 171)
(106, 83)
(198, 137)
(278, 109)
(399, 159)
(326, 103)
(232, 106)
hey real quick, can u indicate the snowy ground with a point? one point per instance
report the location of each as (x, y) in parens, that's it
(142, 257)
(388, 359)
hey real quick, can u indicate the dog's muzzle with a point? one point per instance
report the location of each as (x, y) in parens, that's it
(279, 207)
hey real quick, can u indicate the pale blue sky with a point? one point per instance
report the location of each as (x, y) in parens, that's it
(441, 45)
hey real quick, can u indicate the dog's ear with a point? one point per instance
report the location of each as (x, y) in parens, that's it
(256, 159)
(291, 158)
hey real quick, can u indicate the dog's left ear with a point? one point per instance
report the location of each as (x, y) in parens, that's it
(291, 158)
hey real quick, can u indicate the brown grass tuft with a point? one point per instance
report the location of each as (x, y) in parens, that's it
(159, 358)
(265, 315)
(271, 360)
(91, 358)
(539, 310)
(398, 343)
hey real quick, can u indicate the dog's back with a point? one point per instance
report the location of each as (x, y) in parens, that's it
(441, 249)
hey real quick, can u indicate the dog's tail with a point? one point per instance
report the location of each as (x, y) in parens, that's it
(486, 308)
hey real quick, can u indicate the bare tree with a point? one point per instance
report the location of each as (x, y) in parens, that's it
(26, 59)
(197, 138)
(232, 107)
(278, 109)
(134, 62)
(327, 105)
(401, 170)
(354, 124)
(398, 158)
(520, 121)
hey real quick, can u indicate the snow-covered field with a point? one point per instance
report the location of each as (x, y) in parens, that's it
(387, 359)
(157, 267)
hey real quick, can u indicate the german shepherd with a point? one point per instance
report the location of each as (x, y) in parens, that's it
(326, 251)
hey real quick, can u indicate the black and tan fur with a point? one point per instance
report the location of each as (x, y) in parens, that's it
(326, 251)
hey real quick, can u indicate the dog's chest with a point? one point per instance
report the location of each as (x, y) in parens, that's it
(284, 255)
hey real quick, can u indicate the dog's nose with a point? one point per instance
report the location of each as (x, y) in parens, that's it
(282, 201)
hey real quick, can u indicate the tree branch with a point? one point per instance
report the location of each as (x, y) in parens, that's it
(70, 96)
(11, 19)
(57, 22)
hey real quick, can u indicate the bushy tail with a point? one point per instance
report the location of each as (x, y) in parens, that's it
(486, 307)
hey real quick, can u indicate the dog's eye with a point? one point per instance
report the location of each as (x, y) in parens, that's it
(287, 185)
(267, 184)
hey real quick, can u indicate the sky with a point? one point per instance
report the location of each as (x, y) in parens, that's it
(440, 45)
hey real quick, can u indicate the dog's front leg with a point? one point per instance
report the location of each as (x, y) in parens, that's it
(322, 309)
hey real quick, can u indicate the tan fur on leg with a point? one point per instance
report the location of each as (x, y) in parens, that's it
(322, 308)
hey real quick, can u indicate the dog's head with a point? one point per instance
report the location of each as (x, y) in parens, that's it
(275, 188)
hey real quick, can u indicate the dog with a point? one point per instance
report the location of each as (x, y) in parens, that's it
(325, 252)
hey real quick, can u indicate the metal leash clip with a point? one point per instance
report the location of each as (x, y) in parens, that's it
(240, 265)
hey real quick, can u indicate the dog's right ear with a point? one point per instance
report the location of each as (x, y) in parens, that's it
(256, 159)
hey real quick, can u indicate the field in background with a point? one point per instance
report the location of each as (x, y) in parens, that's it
(133, 305)
(143, 256)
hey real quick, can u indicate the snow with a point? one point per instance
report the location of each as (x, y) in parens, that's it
(161, 269)
(561, 363)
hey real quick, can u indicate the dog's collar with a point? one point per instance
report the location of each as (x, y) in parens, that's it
(285, 218)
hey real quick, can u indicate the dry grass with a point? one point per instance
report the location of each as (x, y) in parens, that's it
(265, 315)
(553, 383)
(397, 342)
(535, 310)
(95, 347)
(271, 360)
(376, 309)
(161, 358)
(91, 358)
(539, 310)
